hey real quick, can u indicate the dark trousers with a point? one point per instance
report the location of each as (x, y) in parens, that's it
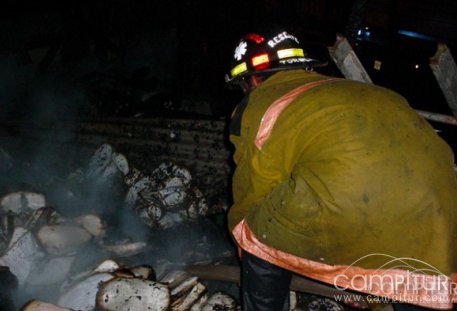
(264, 287)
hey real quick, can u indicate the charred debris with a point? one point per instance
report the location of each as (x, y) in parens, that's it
(109, 236)
(111, 232)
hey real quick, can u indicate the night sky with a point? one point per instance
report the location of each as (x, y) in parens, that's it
(131, 57)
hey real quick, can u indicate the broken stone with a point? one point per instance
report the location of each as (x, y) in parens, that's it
(134, 191)
(82, 295)
(166, 198)
(133, 294)
(99, 161)
(220, 301)
(169, 219)
(37, 305)
(198, 305)
(186, 290)
(173, 192)
(106, 164)
(198, 206)
(185, 302)
(121, 163)
(165, 170)
(184, 286)
(132, 177)
(143, 272)
(93, 224)
(124, 273)
(22, 254)
(22, 201)
(107, 266)
(62, 239)
(126, 249)
(117, 165)
(186, 294)
(293, 300)
(173, 278)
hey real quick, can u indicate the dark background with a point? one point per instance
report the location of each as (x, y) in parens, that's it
(158, 58)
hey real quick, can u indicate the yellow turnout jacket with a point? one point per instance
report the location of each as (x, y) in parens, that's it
(335, 175)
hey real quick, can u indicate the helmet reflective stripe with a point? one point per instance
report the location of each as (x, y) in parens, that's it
(238, 69)
(290, 53)
(260, 59)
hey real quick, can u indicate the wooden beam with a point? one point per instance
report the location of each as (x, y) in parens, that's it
(299, 284)
(445, 70)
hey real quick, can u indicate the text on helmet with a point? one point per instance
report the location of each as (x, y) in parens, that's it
(281, 37)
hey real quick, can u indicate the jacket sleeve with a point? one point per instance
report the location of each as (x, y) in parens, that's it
(258, 171)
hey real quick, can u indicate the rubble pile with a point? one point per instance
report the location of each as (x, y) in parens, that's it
(167, 197)
(112, 237)
(81, 256)
(112, 287)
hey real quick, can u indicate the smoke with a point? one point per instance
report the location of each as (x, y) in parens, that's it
(44, 100)
(52, 99)
(13, 85)
(39, 96)
(39, 152)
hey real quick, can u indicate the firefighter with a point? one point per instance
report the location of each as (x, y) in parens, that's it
(336, 180)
